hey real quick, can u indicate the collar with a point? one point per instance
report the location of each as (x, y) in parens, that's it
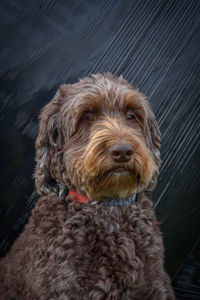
(74, 196)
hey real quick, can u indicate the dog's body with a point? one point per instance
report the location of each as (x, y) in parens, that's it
(99, 138)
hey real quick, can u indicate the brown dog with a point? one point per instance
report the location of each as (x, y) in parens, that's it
(99, 138)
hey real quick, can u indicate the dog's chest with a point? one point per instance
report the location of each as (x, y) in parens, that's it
(100, 241)
(97, 246)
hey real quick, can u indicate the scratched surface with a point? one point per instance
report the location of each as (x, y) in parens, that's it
(154, 44)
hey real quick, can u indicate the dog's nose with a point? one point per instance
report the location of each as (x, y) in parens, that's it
(121, 152)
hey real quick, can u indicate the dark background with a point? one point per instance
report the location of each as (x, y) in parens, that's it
(156, 46)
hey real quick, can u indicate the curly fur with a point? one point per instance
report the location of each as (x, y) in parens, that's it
(80, 251)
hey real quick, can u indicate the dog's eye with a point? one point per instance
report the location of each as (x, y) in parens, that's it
(130, 116)
(136, 118)
(89, 117)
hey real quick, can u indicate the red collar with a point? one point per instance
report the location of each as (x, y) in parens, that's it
(74, 196)
(77, 197)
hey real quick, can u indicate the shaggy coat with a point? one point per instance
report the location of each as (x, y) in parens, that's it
(78, 251)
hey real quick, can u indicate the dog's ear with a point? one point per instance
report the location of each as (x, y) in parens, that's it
(48, 141)
(153, 137)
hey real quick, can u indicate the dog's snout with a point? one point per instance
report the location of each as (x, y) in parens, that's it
(121, 152)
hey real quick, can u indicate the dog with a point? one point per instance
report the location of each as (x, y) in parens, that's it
(93, 233)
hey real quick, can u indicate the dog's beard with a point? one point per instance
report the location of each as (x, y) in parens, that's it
(114, 184)
(106, 179)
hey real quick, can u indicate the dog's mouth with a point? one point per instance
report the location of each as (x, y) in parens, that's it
(119, 170)
(122, 171)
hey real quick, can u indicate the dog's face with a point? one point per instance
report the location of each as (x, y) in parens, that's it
(99, 137)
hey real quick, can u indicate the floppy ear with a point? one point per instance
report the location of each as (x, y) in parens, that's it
(49, 140)
(153, 141)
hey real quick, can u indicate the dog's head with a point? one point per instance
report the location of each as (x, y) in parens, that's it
(99, 137)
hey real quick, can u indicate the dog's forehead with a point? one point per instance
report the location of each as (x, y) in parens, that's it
(108, 96)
